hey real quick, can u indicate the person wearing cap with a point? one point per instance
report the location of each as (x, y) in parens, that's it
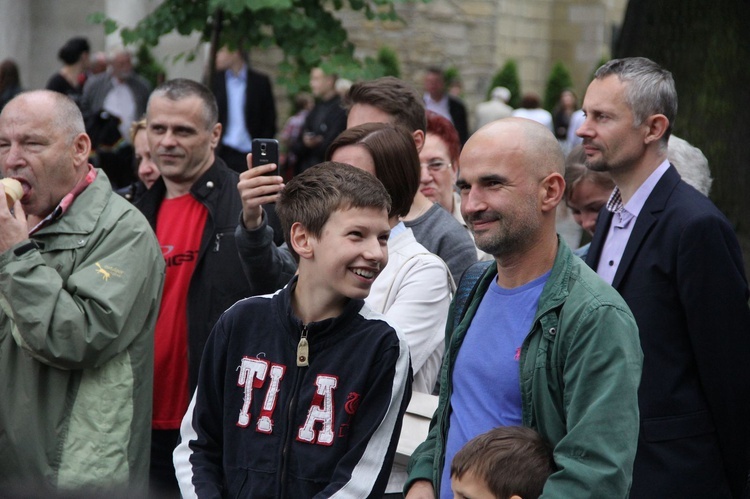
(494, 109)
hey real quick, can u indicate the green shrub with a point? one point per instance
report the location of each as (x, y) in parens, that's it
(508, 77)
(148, 67)
(451, 75)
(559, 80)
(388, 59)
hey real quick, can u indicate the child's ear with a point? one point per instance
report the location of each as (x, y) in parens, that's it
(515, 497)
(301, 240)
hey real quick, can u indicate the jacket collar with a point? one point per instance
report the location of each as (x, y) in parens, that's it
(206, 189)
(597, 243)
(555, 290)
(211, 182)
(318, 332)
(83, 214)
(648, 216)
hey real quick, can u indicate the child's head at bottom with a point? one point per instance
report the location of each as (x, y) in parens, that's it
(509, 462)
(335, 221)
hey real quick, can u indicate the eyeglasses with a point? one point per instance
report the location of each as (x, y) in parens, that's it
(436, 165)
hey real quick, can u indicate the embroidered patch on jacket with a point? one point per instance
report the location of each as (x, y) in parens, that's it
(108, 271)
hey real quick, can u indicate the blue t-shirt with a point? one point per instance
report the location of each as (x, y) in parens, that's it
(486, 387)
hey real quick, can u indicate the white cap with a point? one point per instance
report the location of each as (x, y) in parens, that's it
(501, 93)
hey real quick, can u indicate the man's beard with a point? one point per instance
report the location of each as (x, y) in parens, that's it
(599, 165)
(509, 237)
(596, 165)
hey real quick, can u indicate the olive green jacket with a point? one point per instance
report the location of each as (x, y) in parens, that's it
(77, 315)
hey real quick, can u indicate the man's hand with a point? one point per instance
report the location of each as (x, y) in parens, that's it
(257, 189)
(421, 489)
(13, 226)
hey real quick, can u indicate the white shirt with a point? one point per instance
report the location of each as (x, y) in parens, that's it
(623, 222)
(539, 115)
(236, 135)
(438, 106)
(414, 292)
(120, 102)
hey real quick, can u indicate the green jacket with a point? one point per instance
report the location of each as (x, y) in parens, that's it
(77, 316)
(580, 367)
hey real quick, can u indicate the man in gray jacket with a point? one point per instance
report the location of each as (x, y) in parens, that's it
(81, 276)
(119, 97)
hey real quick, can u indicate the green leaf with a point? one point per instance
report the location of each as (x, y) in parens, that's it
(237, 6)
(110, 26)
(96, 18)
(306, 31)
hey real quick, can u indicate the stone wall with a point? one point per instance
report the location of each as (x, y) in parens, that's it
(479, 36)
(475, 36)
(14, 42)
(32, 32)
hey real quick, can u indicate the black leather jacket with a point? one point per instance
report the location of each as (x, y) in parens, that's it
(218, 280)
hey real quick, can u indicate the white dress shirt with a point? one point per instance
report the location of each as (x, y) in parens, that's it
(236, 135)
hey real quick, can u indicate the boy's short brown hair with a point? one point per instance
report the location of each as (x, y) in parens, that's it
(512, 460)
(310, 197)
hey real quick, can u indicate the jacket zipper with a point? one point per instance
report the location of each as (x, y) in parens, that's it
(217, 242)
(302, 348)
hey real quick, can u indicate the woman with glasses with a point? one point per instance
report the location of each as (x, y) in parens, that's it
(440, 164)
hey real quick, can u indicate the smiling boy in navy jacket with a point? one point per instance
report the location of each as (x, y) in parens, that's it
(301, 393)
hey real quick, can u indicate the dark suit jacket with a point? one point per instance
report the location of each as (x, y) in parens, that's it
(682, 276)
(260, 107)
(327, 119)
(460, 120)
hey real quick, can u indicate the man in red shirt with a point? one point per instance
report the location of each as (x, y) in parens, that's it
(193, 208)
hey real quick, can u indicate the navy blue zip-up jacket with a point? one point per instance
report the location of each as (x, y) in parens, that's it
(261, 426)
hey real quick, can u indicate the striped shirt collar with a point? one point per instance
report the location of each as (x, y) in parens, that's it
(635, 204)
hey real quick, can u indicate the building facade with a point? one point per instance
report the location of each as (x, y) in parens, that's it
(475, 36)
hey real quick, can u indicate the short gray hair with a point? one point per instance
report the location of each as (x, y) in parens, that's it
(690, 163)
(182, 88)
(67, 116)
(650, 88)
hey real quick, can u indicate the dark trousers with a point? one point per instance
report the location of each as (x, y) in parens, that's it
(163, 483)
(236, 160)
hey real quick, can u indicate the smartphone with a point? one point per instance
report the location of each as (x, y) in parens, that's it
(266, 151)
